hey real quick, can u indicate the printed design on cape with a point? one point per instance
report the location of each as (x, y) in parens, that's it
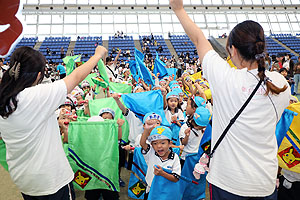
(206, 146)
(138, 189)
(81, 178)
(91, 170)
(290, 156)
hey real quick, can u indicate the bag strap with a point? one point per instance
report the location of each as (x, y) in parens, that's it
(234, 119)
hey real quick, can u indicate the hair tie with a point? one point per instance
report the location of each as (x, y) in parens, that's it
(267, 79)
(259, 56)
(14, 72)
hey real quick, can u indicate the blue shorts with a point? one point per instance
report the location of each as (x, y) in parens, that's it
(217, 193)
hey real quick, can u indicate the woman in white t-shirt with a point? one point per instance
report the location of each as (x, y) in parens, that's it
(245, 163)
(36, 160)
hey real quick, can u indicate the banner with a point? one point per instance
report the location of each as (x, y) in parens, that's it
(12, 26)
(70, 63)
(146, 76)
(162, 188)
(137, 182)
(3, 155)
(289, 150)
(145, 102)
(159, 67)
(190, 191)
(120, 88)
(94, 155)
(96, 105)
(172, 71)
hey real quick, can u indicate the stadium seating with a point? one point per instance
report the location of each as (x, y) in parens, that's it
(86, 46)
(29, 42)
(160, 42)
(183, 44)
(54, 44)
(290, 41)
(124, 43)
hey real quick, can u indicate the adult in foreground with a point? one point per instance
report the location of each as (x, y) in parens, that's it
(36, 160)
(245, 163)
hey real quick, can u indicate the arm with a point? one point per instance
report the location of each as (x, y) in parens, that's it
(121, 106)
(191, 29)
(185, 140)
(120, 122)
(81, 72)
(117, 57)
(158, 171)
(201, 92)
(144, 137)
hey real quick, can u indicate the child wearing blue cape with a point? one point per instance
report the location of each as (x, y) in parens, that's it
(159, 154)
(191, 132)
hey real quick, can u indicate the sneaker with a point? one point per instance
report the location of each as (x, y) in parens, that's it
(121, 182)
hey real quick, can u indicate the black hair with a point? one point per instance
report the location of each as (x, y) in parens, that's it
(283, 69)
(193, 103)
(249, 40)
(25, 65)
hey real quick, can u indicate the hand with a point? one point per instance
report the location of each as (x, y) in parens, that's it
(101, 52)
(120, 122)
(174, 118)
(115, 95)
(163, 91)
(181, 147)
(187, 132)
(126, 147)
(158, 171)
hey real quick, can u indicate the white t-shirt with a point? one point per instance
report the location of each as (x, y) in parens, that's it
(169, 115)
(245, 163)
(36, 160)
(109, 72)
(135, 126)
(193, 143)
(172, 163)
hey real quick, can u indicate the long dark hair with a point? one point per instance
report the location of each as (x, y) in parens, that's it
(248, 38)
(25, 64)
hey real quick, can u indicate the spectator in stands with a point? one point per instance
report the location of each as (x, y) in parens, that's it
(155, 43)
(169, 35)
(61, 70)
(72, 53)
(113, 50)
(281, 59)
(160, 49)
(111, 66)
(254, 176)
(297, 78)
(291, 65)
(116, 35)
(48, 51)
(152, 38)
(267, 62)
(128, 53)
(62, 52)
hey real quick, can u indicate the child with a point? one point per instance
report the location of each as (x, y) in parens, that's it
(191, 132)
(159, 153)
(107, 113)
(88, 91)
(172, 108)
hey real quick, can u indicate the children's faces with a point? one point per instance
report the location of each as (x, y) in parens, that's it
(173, 102)
(284, 73)
(107, 116)
(189, 109)
(161, 147)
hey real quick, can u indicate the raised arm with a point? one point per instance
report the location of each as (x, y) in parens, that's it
(191, 29)
(116, 58)
(81, 72)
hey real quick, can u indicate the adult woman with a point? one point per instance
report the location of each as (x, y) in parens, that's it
(245, 163)
(36, 160)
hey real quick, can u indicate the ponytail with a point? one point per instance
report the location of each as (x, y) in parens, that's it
(260, 59)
